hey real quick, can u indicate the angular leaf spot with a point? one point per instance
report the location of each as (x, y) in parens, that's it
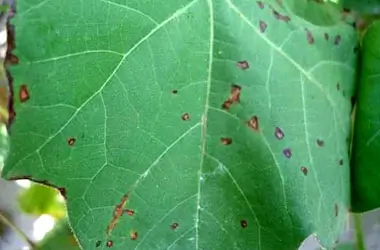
(254, 123)
(174, 226)
(309, 37)
(226, 141)
(71, 141)
(109, 243)
(263, 26)
(287, 152)
(226, 105)
(243, 223)
(24, 93)
(134, 235)
(279, 133)
(280, 17)
(185, 117)
(320, 143)
(260, 4)
(242, 64)
(235, 93)
(304, 170)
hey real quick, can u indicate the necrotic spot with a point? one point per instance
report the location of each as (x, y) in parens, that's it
(23, 93)
(226, 141)
(263, 26)
(243, 223)
(309, 37)
(71, 141)
(279, 133)
(129, 212)
(254, 123)
(109, 243)
(185, 117)
(242, 64)
(304, 170)
(287, 152)
(174, 225)
(134, 235)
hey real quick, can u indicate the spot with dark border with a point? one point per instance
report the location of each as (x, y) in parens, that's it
(134, 235)
(226, 105)
(243, 223)
(235, 93)
(174, 226)
(320, 143)
(130, 212)
(279, 133)
(304, 170)
(109, 243)
(71, 141)
(24, 93)
(185, 117)
(242, 64)
(287, 152)
(226, 141)
(254, 123)
(263, 26)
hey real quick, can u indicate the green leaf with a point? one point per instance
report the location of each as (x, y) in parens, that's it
(363, 6)
(132, 107)
(60, 238)
(40, 199)
(366, 145)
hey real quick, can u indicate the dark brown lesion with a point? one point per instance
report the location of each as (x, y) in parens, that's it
(117, 213)
(233, 98)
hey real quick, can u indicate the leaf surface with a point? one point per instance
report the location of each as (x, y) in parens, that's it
(185, 124)
(366, 144)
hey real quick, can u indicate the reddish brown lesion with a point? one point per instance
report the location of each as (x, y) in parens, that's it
(233, 98)
(117, 213)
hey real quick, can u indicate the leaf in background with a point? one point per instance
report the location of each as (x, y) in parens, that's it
(344, 246)
(366, 145)
(185, 124)
(363, 6)
(60, 238)
(40, 199)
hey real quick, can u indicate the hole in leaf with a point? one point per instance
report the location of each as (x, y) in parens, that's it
(243, 223)
(185, 117)
(243, 64)
(279, 133)
(174, 225)
(226, 141)
(304, 170)
(287, 152)
(71, 141)
(24, 93)
(254, 123)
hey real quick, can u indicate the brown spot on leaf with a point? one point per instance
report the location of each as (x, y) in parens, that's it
(235, 93)
(279, 133)
(336, 210)
(242, 64)
(337, 39)
(320, 143)
(109, 243)
(130, 212)
(309, 37)
(304, 170)
(174, 226)
(263, 26)
(260, 4)
(174, 91)
(185, 117)
(327, 36)
(24, 93)
(134, 235)
(287, 152)
(254, 123)
(11, 59)
(280, 17)
(243, 223)
(226, 141)
(98, 243)
(71, 141)
(117, 213)
(227, 104)
(341, 162)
